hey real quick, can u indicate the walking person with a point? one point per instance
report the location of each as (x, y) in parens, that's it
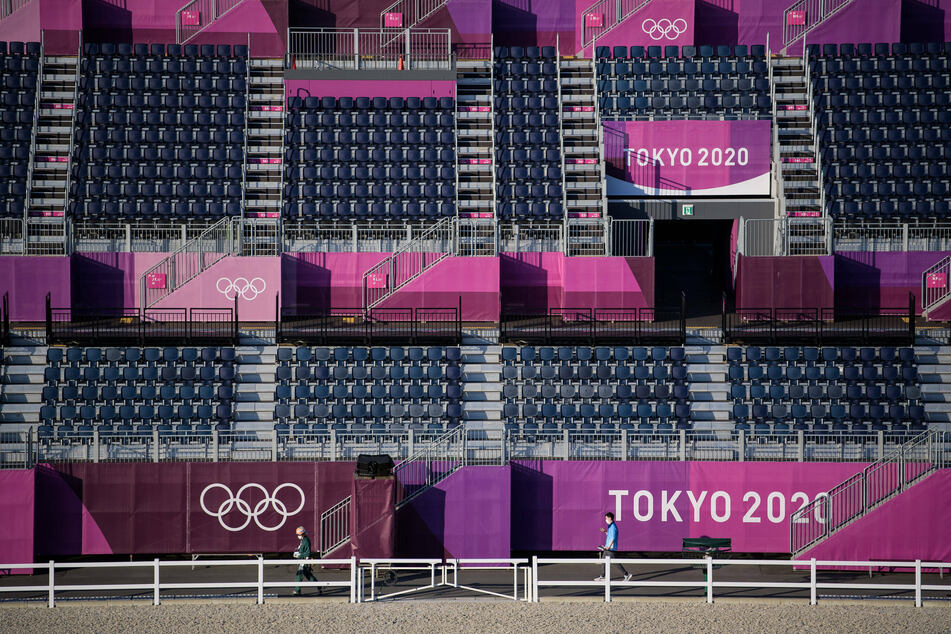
(304, 572)
(609, 550)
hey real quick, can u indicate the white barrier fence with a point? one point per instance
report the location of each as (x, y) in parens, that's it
(709, 583)
(365, 578)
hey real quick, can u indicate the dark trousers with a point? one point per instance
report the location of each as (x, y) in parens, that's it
(610, 554)
(303, 574)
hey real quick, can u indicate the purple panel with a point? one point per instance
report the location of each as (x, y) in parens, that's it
(59, 513)
(465, 515)
(687, 158)
(367, 88)
(659, 23)
(250, 18)
(16, 507)
(28, 279)
(62, 22)
(526, 23)
(23, 25)
(873, 280)
(911, 526)
(473, 281)
(785, 282)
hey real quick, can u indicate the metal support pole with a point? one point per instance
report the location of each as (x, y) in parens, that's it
(260, 580)
(274, 445)
(155, 445)
(214, 445)
(354, 598)
(683, 445)
(917, 583)
(623, 444)
(741, 446)
(801, 445)
(51, 601)
(564, 435)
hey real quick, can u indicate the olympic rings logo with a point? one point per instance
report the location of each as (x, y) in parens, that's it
(241, 287)
(662, 28)
(234, 501)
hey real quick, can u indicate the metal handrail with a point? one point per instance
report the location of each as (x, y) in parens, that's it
(839, 507)
(8, 7)
(495, 194)
(814, 129)
(388, 265)
(36, 118)
(814, 13)
(220, 9)
(247, 110)
(430, 7)
(619, 10)
(932, 296)
(777, 160)
(72, 123)
(195, 245)
(445, 450)
(335, 526)
(561, 126)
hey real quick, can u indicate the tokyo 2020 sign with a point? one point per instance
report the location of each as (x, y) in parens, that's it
(687, 158)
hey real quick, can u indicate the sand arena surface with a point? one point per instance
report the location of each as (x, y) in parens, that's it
(308, 615)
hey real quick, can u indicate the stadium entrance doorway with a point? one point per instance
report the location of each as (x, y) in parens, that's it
(692, 256)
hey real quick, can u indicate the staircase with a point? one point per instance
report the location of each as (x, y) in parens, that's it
(805, 15)
(254, 388)
(936, 296)
(793, 121)
(934, 373)
(582, 159)
(412, 12)
(53, 136)
(21, 387)
(408, 262)
(711, 408)
(187, 262)
(475, 134)
(197, 15)
(612, 14)
(881, 481)
(264, 140)
(482, 386)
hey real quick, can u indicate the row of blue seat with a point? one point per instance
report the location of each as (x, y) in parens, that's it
(137, 392)
(672, 52)
(124, 49)
(881, 49)
(812, 355)
(138, 356)
(378, 373)
(511, 354)
(343, 104)
(133, 374)
(358, 354)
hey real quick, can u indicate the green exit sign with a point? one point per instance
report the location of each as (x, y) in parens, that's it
(688, 210)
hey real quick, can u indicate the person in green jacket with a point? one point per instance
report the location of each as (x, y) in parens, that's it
(304, 572)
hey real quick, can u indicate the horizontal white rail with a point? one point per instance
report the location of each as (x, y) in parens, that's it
(708, 583)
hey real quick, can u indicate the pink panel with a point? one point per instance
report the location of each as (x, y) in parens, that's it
(937, 280)
(594, 19)
(155, 280)
(16, 509)
(254, 281)
(377, 280)
(190, 17)
(394, 20)
(796, 17)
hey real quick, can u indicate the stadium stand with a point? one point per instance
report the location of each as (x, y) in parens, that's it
(120, 390)
(367, 389)
(370, 158)
(842, 390)
(527, 130)
(720, 82)
(160, 131)
(595, 389)
(19, 65)
(886, 142)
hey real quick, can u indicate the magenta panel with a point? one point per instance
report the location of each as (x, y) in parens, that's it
(786, 282)
(96, 509)
(659, 23)
(16, 509)
(366, 88)
(465, 515)
(560, 505)
(911, 526)
(873, 280)
(687, 158)
(28, 279)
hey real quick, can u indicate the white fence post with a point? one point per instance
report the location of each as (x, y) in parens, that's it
(534, 579)
(51, 602)
(813, 599)
(917, 583)
(156, 598)
(607, 578)
(354, 598)
(709, 578)
(260, 580)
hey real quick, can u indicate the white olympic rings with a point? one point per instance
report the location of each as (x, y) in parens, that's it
(662, 28)
(241, 287)
(234, 501)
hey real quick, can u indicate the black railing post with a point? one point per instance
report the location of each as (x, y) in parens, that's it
(911, 319)
(235, 320)
(277, 318)
(772, 325)
(49, 321)
(683, 317)
(189, 316)
(723, 316)
(459, 322)
(414, 327)
(6, 318)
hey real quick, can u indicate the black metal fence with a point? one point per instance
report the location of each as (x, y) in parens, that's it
(628, 326)
(139, 327)
(817, 326)
(5, 320)
(378, 326)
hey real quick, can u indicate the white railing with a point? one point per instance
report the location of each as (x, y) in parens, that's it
(369, 49)
(612, 13)
(157, 585)
(9, 6)
(441, 575)
(866, 490)
(521, 238)
(412, 12)
(197, 15)
(777, 159)
(934, 284)
(188, 262)
(72, 124)
(335, 526)
(814, 131)
(12, 236)
(27, 202)
(735, 579)
(805, 15)
(786, 236)
(408, 262)
(631, 238)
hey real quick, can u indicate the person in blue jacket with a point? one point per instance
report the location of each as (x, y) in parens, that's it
(609, 550)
